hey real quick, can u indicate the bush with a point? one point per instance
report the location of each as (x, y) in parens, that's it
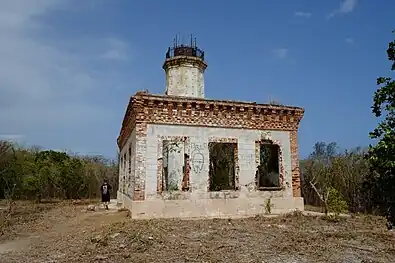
(38, 174)
(335, 202)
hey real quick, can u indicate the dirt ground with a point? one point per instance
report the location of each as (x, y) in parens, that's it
(66, 232)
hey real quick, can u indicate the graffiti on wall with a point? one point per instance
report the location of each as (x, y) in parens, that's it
(197, 157)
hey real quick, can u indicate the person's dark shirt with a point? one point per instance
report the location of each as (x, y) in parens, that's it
(105, 189)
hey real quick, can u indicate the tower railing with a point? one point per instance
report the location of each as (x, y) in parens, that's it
(185, 50)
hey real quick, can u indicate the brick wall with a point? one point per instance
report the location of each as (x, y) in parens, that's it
(295, 163)
(141, 145)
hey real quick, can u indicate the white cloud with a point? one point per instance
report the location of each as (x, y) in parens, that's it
(49, 83)
(18, 14)
(281, 52)
(117, 50)
(347, 6)
(349, 41)
(303, 14)
(11, 137)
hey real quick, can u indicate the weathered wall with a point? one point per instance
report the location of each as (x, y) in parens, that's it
(146, 108)
(149, 202)
(173, 161)
(199, 121)
(185, 80)
(197, 148)
(211, 208)
(127, 167)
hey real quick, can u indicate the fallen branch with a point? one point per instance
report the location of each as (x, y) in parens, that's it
(360, 248)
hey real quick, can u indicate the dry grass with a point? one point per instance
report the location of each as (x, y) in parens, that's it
(65, 233)
(24, 213)
(314, 208)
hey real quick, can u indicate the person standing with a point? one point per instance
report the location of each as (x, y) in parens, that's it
(105, 194)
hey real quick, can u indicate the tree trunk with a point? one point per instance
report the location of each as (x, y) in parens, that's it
(321, 198)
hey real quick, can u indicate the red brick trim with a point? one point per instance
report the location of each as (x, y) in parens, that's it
(147, 108)
(139, 178)
(295, 163)
(163, 109)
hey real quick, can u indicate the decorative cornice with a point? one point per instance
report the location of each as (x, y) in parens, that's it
(180, 60)
(164, 109)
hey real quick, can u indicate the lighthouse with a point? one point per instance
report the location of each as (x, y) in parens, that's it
(184, 68)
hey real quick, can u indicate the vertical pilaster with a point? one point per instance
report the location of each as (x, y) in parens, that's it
(295, 163)
(140, 167)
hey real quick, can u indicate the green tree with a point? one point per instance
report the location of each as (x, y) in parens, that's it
(316, 171)
(33, 173)
(382, 155)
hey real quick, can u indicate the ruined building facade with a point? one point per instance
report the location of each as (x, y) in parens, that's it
(182, 155)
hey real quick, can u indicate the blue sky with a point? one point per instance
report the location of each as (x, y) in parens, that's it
(67, 68)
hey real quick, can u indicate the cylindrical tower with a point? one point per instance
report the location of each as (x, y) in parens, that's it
(184, 67)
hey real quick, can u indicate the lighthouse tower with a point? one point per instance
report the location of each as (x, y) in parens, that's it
(184, 68)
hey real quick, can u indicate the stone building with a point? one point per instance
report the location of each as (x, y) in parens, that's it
(182, 155)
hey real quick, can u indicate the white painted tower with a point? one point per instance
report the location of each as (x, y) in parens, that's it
(184, 68)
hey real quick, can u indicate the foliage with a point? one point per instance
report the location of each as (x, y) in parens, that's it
(365, 179)
(268, 206)
(382, 155)
(37, 174)
(274, 102)
(268, 170)
(222, 166)
(326, 169)
(6, 155)
(172, 187)
(336, 204)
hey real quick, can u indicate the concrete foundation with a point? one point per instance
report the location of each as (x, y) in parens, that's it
(209, 208)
